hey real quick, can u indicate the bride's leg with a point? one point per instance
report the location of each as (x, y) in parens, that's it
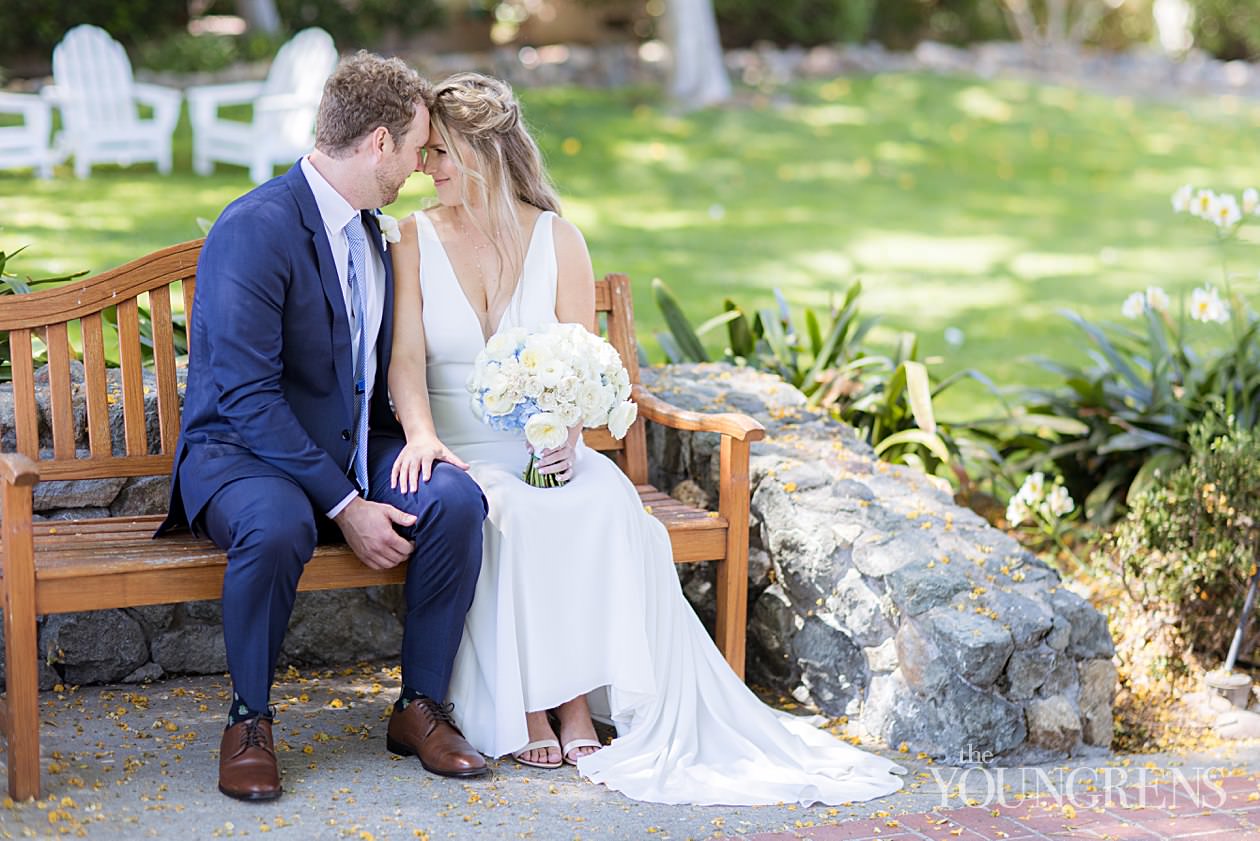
(575, 723)
(539, 729)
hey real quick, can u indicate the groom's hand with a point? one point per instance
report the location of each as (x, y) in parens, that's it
(369, 530)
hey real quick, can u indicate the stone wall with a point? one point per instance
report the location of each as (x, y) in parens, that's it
(873, 596)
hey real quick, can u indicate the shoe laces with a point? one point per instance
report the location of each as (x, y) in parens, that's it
(253, 736)
(439, 712)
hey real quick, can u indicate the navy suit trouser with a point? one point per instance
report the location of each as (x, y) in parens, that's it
(269, 530)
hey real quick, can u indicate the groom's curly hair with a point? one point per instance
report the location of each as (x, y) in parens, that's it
(364, 92)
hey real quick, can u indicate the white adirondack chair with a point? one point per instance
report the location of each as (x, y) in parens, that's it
(26, 144)
(284, 106)
(99, 101)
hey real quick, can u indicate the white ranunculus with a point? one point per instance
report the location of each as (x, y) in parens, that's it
(1206, 305)
(569, 414)
(532, 388)
(1157, 299)
(1133, 305)
(498, 402)
(550, 372)
(590, 401)
(1182, 198)
(620, 418)
(545, 431)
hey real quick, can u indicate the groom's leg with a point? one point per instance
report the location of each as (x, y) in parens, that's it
(267, 527)
(442, 573)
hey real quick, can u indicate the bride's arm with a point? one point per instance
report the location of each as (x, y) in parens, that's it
(575, 304)
(408, 382)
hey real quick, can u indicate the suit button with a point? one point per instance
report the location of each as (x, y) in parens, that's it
(345, 435)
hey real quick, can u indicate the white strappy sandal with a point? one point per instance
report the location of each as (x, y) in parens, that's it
(541, 744)
(573, 745)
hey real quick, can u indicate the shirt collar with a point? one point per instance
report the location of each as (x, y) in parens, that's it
(333, 208)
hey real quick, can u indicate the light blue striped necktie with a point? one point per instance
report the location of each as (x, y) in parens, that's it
(358, 329)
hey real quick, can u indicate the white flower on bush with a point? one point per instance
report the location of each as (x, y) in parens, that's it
(1134, 305)
(1206, 305)
(1225, 213)
(1059, 502)
(1250, 200)
(1157, 298)
(1182, 198)
(1033, 489)
(1203, 205)
(545, 431)
(1017, 511)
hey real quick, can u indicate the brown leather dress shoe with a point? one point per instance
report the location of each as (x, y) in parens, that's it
(247, 761)
(425, 729)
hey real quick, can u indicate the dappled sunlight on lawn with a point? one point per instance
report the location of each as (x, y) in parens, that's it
(922, 252)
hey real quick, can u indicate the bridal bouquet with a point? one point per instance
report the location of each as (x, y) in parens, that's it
(544, 382)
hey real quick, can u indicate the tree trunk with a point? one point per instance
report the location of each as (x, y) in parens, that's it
(260, 15)
(698, 75)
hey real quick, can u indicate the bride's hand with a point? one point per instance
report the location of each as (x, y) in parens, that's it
(559, 460)
(415, 463)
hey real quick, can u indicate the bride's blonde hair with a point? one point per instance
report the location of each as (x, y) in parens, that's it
(506, 167)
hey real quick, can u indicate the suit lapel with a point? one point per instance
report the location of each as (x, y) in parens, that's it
(385, 338)
(343, 359)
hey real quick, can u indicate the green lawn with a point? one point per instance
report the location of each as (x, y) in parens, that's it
(984, 206)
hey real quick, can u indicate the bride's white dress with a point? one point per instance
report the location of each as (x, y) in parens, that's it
(578, 594)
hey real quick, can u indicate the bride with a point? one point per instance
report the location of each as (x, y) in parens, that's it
(577, 595)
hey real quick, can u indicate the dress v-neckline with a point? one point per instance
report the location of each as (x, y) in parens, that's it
(498, 326)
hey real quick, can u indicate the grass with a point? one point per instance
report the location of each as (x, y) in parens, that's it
(982, 206)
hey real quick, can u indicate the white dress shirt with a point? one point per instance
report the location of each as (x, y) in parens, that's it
(336, 212)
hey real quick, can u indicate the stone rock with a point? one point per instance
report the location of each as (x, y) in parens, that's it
(1028, 670)
(833, 667)
(1098, 691)
(153, 618)
(975, 647)
(46, 676)
(102, 646)
(772, 624)
(859, 608)
(147, 673)
(142, 495)
(1027, 619)
(965, 721)
(1064, 678)
(340, 626)
(77, 493)
(922, 667)
(882, 658)
(1053, 724)
(190, 647)
(1090, 635)
(922, 585)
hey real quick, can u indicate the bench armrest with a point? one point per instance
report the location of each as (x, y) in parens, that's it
(740, 427)
(17, 469)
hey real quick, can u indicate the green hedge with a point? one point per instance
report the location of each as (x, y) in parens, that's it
(1227, 29)
(33, 27)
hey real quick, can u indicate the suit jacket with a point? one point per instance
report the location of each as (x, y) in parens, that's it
(270, 370)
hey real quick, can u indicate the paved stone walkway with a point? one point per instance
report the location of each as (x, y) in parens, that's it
(135, 762)
(1224, 808)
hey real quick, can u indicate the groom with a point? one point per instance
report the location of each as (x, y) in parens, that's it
(288, 437)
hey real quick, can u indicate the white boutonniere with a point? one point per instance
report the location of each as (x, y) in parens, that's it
(389, 228)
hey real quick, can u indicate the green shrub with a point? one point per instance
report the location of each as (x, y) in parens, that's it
(34, 27)
(1190, 540)
(804, 22)
(360, 23)
(1228, 29)
(182, 52)
(903, 23)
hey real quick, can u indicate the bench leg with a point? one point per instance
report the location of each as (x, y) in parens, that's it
(21, 651)
(732, 574)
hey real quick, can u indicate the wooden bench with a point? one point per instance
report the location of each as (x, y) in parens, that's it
(62, 566)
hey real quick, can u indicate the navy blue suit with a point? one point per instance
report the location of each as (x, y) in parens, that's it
(266, 443)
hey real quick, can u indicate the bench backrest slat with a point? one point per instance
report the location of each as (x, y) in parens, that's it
(25, 412)
(132, 377)
(60, 395)
(54, 312)
(164, 366)
(94, 382)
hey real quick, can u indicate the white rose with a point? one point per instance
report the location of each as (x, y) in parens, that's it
(619, 420)
(545, 431)
(590, 401)
(569, 415)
